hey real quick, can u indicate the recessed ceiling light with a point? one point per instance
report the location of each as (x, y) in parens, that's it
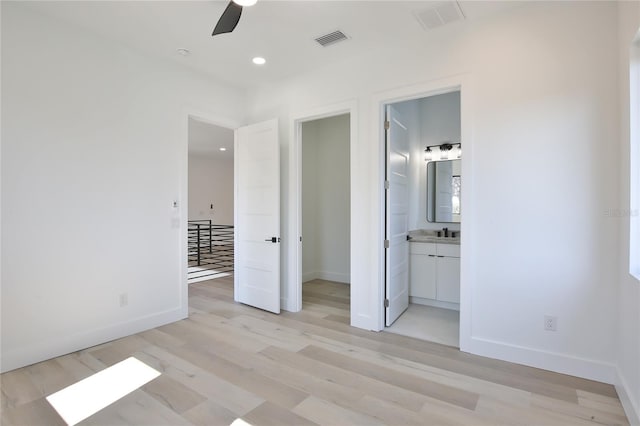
(259, 60)
(245, 2)
(223, 149)
(183, 52)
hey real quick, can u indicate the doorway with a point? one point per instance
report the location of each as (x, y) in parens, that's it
(210, 210)
(325, 214)
(423, 217)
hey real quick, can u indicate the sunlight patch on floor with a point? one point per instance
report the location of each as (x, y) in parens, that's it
(88, 396)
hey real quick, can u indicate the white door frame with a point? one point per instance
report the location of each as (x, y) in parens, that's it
(435, 87)
(292, 297)
(183, 195)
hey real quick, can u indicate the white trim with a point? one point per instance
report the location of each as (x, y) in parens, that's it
(631, 409)
(309, 276)
(634, 159)
(434, 303)
(64, 344)
(338, 277)
(431, 88)
(551, 361)
(294, 288)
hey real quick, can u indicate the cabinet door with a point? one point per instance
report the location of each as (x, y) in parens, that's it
(422, 276)
(448, 279)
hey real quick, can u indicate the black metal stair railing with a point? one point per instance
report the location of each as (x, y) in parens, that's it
(210, 247)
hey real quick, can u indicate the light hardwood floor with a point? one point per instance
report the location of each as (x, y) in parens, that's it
(429, 323)
(228, 361)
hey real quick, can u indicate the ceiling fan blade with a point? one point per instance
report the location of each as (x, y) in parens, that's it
(229, 19)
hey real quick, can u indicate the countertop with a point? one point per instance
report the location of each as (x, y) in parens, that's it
(431, 236)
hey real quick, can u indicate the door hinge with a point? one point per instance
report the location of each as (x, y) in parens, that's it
(386, 303)
(300, 238)
(387, 125)
(386, 184)
(386, 244)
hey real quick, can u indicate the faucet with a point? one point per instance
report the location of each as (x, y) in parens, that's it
(446, 232)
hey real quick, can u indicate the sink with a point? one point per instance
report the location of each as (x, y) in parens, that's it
(431, 236)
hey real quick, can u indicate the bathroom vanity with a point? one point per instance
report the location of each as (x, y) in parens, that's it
(434, 270)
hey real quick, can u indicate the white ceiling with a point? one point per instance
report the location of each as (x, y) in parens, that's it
(207, 139)
(281, 31)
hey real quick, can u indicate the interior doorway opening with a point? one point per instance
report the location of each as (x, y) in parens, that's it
(325, 214)
(210, 210)
(423, 210)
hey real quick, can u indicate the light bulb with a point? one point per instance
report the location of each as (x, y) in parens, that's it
(245, 2)
(444, 154)
(428, 155)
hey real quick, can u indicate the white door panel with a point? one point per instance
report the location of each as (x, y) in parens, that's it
(397, 216)
(257, 176)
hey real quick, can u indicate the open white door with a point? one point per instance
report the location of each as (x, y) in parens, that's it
(257, 213)
(397, 216)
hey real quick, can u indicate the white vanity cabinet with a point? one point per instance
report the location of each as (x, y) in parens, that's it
(435, 272)
(422, 270)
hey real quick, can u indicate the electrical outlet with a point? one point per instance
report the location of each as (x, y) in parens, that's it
(124, 300)
(550, 323)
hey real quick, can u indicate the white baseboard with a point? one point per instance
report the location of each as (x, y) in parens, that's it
(334, 276)
(631, 408)
(557, 362)
(62, 345)
(365, 322)
(326, 275)
(434, 303)
(309, 276)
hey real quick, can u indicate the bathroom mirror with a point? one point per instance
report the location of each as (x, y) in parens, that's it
(443, 191)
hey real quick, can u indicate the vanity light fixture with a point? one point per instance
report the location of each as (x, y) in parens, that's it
(445, 151)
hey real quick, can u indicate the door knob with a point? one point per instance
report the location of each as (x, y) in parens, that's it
(273, 239)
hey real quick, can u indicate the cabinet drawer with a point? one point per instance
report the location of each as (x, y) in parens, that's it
(422, 248)
(450, 250)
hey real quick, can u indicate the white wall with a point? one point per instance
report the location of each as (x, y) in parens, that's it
(211, 182)
(628, 347)
(326, 199)
(94, 152)
(537, 99)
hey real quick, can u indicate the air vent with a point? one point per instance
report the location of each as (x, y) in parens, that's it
(331, 38)
(440, 14)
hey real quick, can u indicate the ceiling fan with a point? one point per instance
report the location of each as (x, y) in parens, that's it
(231, 16)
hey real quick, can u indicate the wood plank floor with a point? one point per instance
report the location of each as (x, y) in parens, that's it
(230, 361)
